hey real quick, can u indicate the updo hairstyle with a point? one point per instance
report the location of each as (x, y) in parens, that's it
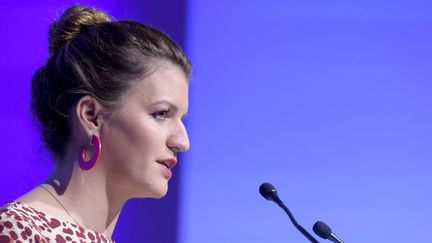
(90, 54)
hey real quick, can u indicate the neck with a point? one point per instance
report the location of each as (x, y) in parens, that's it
(86, 196)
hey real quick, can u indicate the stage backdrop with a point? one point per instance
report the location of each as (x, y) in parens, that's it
(328, 100)
(25, 163)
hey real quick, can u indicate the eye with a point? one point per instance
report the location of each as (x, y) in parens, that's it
(161, 115)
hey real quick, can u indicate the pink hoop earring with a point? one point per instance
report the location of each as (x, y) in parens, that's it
(86, 165)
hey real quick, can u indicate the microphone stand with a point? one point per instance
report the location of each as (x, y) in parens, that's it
(294, 221)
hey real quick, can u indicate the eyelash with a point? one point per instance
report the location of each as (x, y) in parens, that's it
(161, 115)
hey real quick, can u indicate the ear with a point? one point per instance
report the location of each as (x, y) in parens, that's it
(89, 114)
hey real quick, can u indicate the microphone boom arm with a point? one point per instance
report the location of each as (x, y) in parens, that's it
(294, 222)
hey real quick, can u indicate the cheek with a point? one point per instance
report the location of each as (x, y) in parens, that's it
(130, 142)
(131, 151)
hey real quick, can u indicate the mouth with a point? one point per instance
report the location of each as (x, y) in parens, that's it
(168, 164)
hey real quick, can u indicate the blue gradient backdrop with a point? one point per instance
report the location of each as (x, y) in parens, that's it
(330, 101)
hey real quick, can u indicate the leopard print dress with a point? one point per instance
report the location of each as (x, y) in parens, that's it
(21, 223)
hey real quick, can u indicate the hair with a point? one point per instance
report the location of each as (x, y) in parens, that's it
(90, 54)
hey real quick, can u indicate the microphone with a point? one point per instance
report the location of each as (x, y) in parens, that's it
(324, 231)
(269, 192)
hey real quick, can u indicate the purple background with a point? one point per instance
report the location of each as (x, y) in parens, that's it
(328, 100)
(25, 163)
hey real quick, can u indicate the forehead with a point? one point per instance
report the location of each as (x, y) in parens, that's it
(165, 75)
(167, 82)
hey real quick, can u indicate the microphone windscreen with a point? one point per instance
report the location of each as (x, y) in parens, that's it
(322, 229)
(267, 190)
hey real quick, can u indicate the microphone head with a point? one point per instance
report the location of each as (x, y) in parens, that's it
(322, 229)
(268, 191)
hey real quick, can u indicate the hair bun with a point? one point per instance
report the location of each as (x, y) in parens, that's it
(73, 21)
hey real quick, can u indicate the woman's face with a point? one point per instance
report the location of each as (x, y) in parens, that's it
(140, 141)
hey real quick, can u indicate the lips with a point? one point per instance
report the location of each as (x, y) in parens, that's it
(168, 165)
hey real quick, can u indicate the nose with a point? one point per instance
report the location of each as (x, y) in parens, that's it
(178, 141)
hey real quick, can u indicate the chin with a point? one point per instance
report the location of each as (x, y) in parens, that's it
(158, 195)
(156, 191)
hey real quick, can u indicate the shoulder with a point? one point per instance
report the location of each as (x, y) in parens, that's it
(18, 222)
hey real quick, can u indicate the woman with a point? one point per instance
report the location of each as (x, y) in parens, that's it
(110, 102)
